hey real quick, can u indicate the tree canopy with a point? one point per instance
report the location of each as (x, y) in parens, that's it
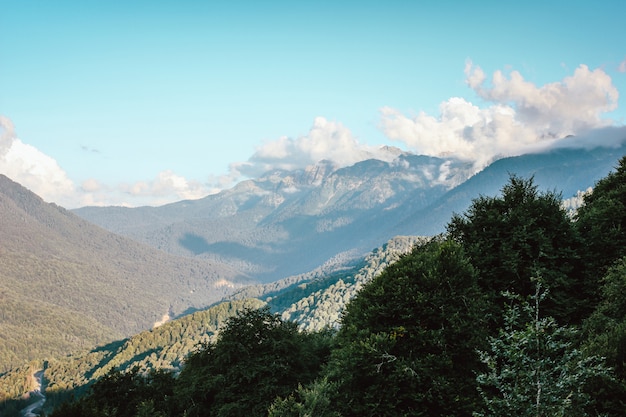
(408, 340)
(601, 221)
(521, 234)
(453, 328)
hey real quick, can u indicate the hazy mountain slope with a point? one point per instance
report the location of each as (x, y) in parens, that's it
(67, 284)
(164, 347)
(565, 171)
(264, 226)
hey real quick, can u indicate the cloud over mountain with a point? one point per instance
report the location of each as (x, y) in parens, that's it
(519, 115)
(32, 168)
(511, 116)
(326, 140)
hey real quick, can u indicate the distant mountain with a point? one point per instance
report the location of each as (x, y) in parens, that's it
(66, 284)
(288, 222)
(565, 171)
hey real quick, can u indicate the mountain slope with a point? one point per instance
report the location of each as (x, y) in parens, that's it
(264, 226)
(67, 284)
(565, 171)
(314, 299)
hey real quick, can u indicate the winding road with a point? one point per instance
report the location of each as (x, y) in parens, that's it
(37, 394)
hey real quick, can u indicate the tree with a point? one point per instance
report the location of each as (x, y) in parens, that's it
(256, 358)
(510, 237)
(601, 222)
(605, 334)
(533, 367)
(314, 400)
(408, 339)
(124, 394)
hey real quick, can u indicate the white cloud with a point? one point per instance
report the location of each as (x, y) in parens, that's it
(91, 185)
(326, 140)
(557, 109)
(168, 185)
(622, 66)
(521, 115)
(7, 135)
(33, 169)
(42, 175)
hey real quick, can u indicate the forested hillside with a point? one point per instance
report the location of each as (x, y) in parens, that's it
(518, 309)
(166, 346)
(67, 285)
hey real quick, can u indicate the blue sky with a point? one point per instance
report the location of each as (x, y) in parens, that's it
(147, 102)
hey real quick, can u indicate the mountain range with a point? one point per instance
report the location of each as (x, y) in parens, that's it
(68, 284)
(298, 241)
(289, 222)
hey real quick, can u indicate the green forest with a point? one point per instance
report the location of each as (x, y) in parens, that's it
(518, 309)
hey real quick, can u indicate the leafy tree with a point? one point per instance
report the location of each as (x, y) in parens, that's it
(123, 394)
(314, 400)
(510, 237)
(256, 358)
(607, 326)
(601, 221)
(605, 333)
(534, 368)
(409, 338)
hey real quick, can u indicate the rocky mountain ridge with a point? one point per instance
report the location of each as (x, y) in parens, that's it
(288, 222)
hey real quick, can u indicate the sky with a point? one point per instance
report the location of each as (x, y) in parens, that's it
(148, 102)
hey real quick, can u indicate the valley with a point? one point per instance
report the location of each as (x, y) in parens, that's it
(85, 287)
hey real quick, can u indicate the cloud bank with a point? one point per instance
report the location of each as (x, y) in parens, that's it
(42, 175)
(514, 117)
(326, 140)
(519, 116)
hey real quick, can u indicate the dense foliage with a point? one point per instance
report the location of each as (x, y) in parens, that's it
(534, 369)
(523, 234)
(405, 326)
(516, 311)
(256, 358)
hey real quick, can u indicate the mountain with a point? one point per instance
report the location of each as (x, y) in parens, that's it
(313, 299)
(565, 171)
(67, 284)
(288, 222)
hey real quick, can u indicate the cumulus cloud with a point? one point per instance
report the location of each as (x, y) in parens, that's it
(7, 134)
(326, 140)
(167, 187)
(42, 175)
(520, 115)
(33, 169)
(166, 184)
(622, 66)
(38, 172)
